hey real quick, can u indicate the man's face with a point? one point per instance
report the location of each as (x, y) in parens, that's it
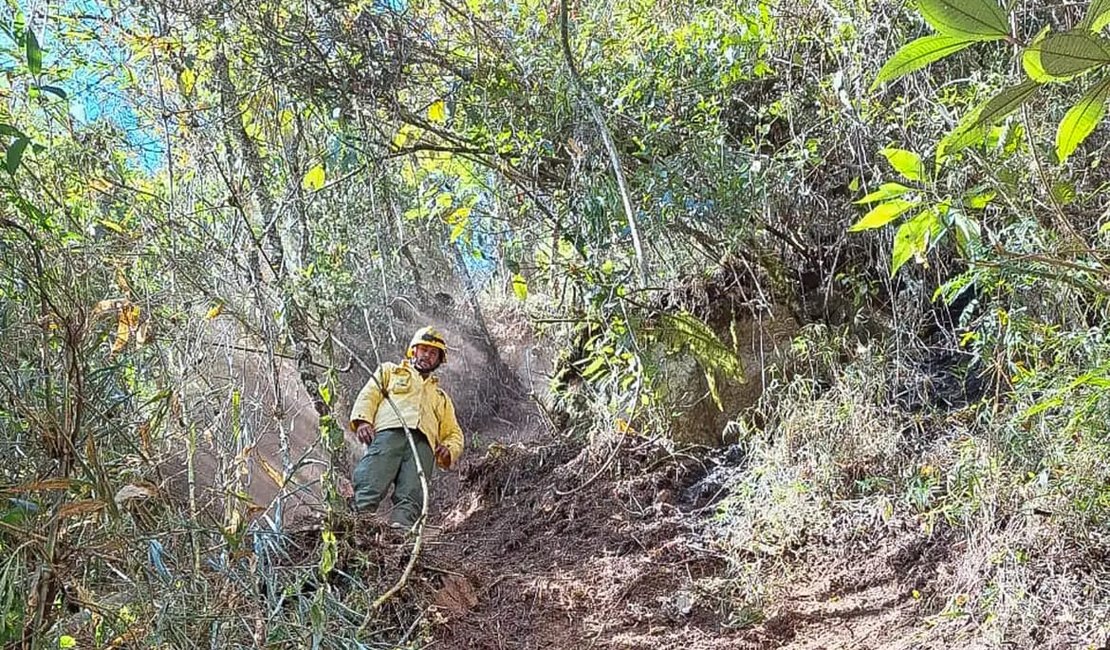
(425, 357)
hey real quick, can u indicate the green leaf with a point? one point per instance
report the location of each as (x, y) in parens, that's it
(906, 163)
(882, 214)
(314, 179)
(919, 53)
(66, 641)
(34, 53)
(54, 90)
(970, 129)
(1059, 57)
(520, 287)
(1063, 192)
(328, 553)
(1098, 16)
(14, 155)
(967, 232)
(980, 200)
(1031, 58)
(684, 330)
(1082, 119)
(597, 364)
(914, 237)
(981, 20)
(885, 191)
(8, 129)
(113, 226)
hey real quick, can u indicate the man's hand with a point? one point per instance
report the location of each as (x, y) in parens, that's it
(443, 457)
(364, 432)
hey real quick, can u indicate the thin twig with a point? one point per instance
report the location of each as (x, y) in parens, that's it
(607, 139)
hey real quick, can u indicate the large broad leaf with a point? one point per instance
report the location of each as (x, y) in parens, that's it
(971, 127)
(1031, 58)
(1082, 119)
(718, 360)
(906, 163)
(885, 191)
(919, 53)
(14, 156)
(914, 238)
(882, 214)
(314, 178)
(981, 20)
(34, 53)
(1059, 57)
(1098, 15)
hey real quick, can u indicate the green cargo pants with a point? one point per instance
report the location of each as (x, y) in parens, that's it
(389, 461)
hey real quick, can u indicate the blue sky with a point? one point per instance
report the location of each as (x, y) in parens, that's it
(90, 71)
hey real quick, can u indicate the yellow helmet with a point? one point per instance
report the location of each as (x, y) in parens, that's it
(429, 336)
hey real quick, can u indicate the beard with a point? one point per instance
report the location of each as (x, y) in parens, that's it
(427, 366)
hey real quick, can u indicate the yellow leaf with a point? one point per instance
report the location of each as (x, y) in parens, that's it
(520, 287)
(188, 80)
(437, 112)
(286, 118)
(272, 472)
(406, 135)
(113, 226)
(625, 427)
(105, 306)
(314, 179)
(79, 508)
(127, 321)
(121, 281)
(39, 486)
(459, 216)
(215, 311)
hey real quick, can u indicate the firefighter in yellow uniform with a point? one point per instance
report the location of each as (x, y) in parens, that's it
(418, 403)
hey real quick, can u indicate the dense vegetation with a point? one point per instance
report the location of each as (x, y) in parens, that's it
(208, 208)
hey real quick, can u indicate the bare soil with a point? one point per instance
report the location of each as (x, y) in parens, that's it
(530, 546)
(539, 541)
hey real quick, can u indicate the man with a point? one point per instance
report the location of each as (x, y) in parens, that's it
(418, 403)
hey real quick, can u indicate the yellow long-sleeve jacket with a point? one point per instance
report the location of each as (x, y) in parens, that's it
(421, 402)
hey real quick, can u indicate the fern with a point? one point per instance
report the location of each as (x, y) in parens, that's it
(717, 360)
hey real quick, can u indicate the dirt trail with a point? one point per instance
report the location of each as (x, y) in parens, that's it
(529, 545)
(540, 556)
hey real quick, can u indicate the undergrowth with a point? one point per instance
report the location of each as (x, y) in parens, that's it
(1014, 489)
